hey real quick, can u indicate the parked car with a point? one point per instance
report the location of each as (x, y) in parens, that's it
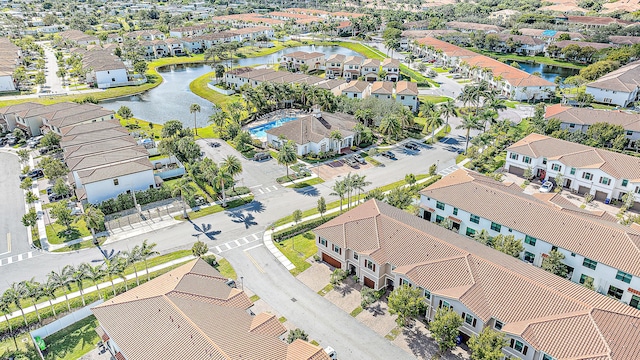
(262, 156)
(415, 143)
(50, 190)
(359, 158)
(351, 161)
(411, 146)
(388, 154)
(214, 144)
(57, 197)
(546, 187)
(48, 149)
(332, 353)
(34, 174)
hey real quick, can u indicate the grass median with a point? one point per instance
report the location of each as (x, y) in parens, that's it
(298, 249)
(217, 208)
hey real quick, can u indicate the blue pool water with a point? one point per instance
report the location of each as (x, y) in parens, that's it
(259, 131)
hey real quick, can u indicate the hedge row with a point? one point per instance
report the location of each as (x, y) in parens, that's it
(124, 201)
(302, 227)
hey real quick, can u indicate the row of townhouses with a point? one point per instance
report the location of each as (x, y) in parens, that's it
(513, 83)
(302, 19)
(585, 170)
(619, 87)
(10, 58)
(353, 67)
(543, 316)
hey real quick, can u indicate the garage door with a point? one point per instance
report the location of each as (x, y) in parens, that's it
(583, 190)
(516, 170)
(331, 261)
(600, 195)
(369, 283)
(636, 206)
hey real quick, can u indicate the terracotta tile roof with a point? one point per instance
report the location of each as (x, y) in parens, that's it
(625, 79)
(172, 310)
(356, 86)
(382, 87)
(312, 129)
(585, 116)
(598, 46)
(522, 39)
(353, 60)
(301, 55)
(596, 20)
(619, 166)
(336, 58)
(473, 26)
(624, 40)
(388, 62)
(570, 230)
(545, 309)
(374, 63)
(110, 171)
(406, 88)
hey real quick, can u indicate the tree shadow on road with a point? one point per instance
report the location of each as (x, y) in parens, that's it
(205, 229)
(308, 191)
(240, 217)
(255, 206)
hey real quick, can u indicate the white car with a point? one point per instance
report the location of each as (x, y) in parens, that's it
(332, 353)
(546, 187)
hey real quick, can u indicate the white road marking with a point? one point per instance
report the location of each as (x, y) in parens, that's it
(255, 237)
(237, 242)
(253, 247)
(218, 248)
(261, 192)
(275, 187)
(255, 186)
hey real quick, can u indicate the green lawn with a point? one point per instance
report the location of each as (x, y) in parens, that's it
(82, 245)
(25, 348)
(436, 99)
(439, 70)
(140, 126)
(74, 341)
(218, 208)
(364, 50)
(200, 88)
(57, 234)
(226, 269)
(304, 184)
(297, 249)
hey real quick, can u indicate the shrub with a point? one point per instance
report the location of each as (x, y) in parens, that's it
(302, 227)
(211, 260)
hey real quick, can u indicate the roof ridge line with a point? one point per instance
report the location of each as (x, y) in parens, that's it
(595, 325)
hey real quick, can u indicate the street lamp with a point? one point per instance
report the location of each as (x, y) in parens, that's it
(242, 283)
(437, 165)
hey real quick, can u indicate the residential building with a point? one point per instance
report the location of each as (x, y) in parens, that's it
(106, 69)
(585, 170)
(185, 308)
(236, 78)
(551, 35)
(520, 44)
(78, 38)
(594, 21)
(294, 60)
(357, 89)
(579, 119)
(148, 35)
(10, 58)
(470, 27)
(9, 115)
(382, 90)
(555, 49)
(370, 69)
(391, 67)
(312, 133)
(624, 40)
(351, 67)
(619, 87)
(334, 66)
(188, 31)
(542, 316)
(407, 95)
(613, 265)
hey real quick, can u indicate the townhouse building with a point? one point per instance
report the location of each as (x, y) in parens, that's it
(357, 89)
(77, 38)
(334, 66)
(351, 67)
(382, 90)
(521, 44)
(105, 69)
(580, 119)
(370, 70)
(392, 69)
(619, 87)
(550, 35)
(604, 174)
(294, 60)
(542, 316)
(407, 95)
(10, 58)
(148, 35)
(188, 31)
(543, 223)
(471, 27)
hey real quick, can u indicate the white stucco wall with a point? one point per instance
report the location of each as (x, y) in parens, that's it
(105, 189)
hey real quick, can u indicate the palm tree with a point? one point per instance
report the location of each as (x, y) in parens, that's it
(94, 218)
(339, 189)
(94, 273)
(287, 155)
(358, 129)
(49, 290)
(34, 291)
(14, 295)
(78, 276)
(219, 118)
(183, 187)
(426, 109)
(63, 279)
(358, 183)
(348, 184)
(469, 122)
(114, 267)
(131, 258)
(146, 251)
(5, 306)
(390, 126)
(448, 109)
(336, 136)
(220, 178)
(195, 109)
(233, 166)
(433, 122)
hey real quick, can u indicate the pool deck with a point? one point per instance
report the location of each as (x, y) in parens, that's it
(275, 115)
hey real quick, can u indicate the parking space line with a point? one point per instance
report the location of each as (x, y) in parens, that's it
(227, 245)
(253, 247)
(275, 187)
(9, 260)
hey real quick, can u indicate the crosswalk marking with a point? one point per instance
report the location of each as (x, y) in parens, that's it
(232, 244)
(19, 257)
(261, 190)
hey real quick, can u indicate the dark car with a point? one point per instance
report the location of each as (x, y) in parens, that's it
(388, 154)
(34, 174)
(50, 190)
(415, 143)
(411, 146)
(47, 149)
(214, 144)
(262, 156)
(359, 158)
(56, 197)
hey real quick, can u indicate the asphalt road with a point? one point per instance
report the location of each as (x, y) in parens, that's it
(13, 236)
(54, 83)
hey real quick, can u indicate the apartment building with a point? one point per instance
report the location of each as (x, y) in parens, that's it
(357, 89)
(407, 95)
(542, 316)
(584, 169)
(392, 69)
(543, 222)
(619, 87)
(10, 58)
(294, 60)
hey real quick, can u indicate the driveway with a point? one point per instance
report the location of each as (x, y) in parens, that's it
(54, 83)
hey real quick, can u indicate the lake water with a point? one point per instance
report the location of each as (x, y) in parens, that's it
(171, 99)
(548, 72)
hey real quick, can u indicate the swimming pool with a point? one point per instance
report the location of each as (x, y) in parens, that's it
(259, 131)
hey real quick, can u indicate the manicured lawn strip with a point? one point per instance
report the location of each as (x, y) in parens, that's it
(460, 158)
(297, 249)
(74, 341)
(372, 161)
(218, 208)
(56, 235)
(25, 347)
(364, 50)
(304, 184)
(200, 88)
(356, 311)
(254, 298)
(325, 290)
(83, 245)
(227, 270)
(538, 59)
(440, 134)
(414, 75)
(282, 319)
(436, 99)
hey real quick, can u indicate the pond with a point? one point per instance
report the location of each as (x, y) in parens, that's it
(548, 72)
(172, 99)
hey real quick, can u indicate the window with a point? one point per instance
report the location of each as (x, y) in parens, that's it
(629, 132)
(572, 126)
(556, 167)
(498, 325)
(470, 232)
(445, 305)
(530, 240)
(573, 254)
(495, 227)
(587, 176)
(544, 161)
(605, 180)
(554, 248)
(337, 249)
(116, 182)
(584, 278)
(323, 242)
(614, 292)
(455, 211)
(470, 320)
(529, 257)
(635, 302)
(474, 219)
(546, 357)
(355, 256)
(637, 191)
(402, 97)
(625, 182)
(514, 156)
(519, 346)
(369, 265)
(439, 205)
(526, 160)
(589, 263)
(573, 171)
(439, 219)
(427, 294)
(624, 277)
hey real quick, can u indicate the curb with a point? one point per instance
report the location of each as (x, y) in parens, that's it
(266, 239)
